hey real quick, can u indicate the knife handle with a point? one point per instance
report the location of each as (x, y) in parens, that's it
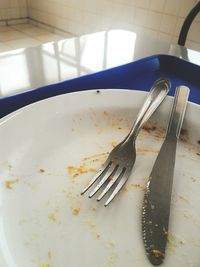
(178, 111)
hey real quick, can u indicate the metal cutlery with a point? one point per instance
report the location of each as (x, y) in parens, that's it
(157, 198)
(117, 168)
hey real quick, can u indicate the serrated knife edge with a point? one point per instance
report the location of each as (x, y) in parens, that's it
(157, 198)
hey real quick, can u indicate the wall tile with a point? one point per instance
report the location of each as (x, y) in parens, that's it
(168, 24)
(186, 6)
(160, 18)
(143, 3)
(164, 37)
(178, 26)
(13, 9)
(157, 5)
(141, 16)
(153, 20)
(194, 32)
(172, 7)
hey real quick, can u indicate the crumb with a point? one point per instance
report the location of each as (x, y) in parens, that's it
(9, 183)
(52, 217)
(198, 142)
(91, 224)
(76, 211)
(193, 179)
(198, 154)
(42, 170)
(98, 91)
(114, 144)
(49, 255)
(94, 209)
(125, 189)
(105, 113)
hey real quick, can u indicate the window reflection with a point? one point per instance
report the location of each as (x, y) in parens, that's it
(14, 72)
(31, 68)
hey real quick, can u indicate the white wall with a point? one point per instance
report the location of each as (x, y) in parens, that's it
(160, 18)
(13, 9)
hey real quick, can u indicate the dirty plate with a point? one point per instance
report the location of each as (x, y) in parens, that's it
(49, 152)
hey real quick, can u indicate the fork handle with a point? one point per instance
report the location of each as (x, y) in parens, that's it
(156, 95)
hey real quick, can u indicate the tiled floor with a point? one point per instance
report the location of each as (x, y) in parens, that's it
(24, 35)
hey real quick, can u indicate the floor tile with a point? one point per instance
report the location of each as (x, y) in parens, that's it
(23, 26)
(11, 35)
(50, 37)
(4, 47)
(34, 31)
(5, 28)
(23, 43)
(26, 35)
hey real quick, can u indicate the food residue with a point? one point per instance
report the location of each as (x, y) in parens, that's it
(75, 171)
(184, 199)
(138, 186)
(153, 129)
(52, 217)
(144, 150)
(94, 209)
(125, 189)
(76, 211)
(49, 255)
(44, 265)
(184, 136)
(157, 253)
(114, 143)
(42, 170)
(9, 183)
(198, 142)
(92, 228)
(193, 179)
(96, 157)
(149, 128)
(111, 261)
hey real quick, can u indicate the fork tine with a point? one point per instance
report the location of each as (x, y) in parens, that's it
(103, 169)
(112, 169)
(119, 186)
(116, 176)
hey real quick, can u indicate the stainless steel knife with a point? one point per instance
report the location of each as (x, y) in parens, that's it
(157, 198)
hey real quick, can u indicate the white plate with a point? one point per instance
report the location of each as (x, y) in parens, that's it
(49, 151)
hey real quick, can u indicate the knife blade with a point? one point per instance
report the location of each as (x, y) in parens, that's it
(157, 197)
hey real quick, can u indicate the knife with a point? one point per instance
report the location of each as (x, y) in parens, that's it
(157, 197)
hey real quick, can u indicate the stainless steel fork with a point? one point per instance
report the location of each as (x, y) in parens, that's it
(117, 168)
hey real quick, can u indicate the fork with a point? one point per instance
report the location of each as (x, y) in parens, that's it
(117, 168)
